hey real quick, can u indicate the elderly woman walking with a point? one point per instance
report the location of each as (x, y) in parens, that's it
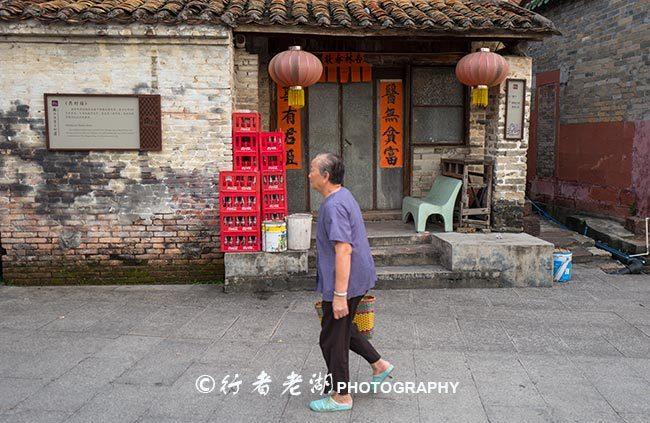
(345, 272)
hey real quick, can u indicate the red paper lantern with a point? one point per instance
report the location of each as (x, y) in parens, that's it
(480, 71)
(295, 69)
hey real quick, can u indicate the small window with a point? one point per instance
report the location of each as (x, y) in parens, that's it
(438, 106)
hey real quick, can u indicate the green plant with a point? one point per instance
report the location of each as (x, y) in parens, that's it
(534, 4)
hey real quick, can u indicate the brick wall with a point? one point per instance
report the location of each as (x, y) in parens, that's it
(602, 56)
(107, 217)
(246, 80)
(546, 130)
(602, 154)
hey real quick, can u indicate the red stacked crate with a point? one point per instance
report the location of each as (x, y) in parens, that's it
(273, 184)
(239, 211)
(245, 146)
(246, 121)
(272, 142)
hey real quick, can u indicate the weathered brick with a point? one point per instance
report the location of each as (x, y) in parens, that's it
(84, 208)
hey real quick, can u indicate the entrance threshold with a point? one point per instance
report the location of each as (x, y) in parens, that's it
(376, 215)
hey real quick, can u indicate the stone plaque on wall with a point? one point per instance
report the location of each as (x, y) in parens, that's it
(103, 122)
(515, 107)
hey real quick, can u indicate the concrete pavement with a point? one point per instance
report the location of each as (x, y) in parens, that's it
(573, 353)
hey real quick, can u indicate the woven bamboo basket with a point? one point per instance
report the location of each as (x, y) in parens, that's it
(364, 317)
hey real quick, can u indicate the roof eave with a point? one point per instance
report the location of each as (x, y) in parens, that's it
(340, 31)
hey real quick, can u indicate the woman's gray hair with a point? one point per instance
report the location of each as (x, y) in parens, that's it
(332, 164)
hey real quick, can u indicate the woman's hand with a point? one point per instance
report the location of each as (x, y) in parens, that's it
(340, 307)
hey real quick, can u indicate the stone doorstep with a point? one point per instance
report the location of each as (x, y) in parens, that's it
(260, 264)
(468, 261)
(387, 240)
(522, 259)
(396, 255)
(388, 277)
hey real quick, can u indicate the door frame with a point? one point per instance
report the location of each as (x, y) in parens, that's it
(543, 79)
(341, 140)
(378, 72)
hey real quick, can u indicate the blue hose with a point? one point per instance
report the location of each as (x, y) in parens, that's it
(618, 254)
(547, 216)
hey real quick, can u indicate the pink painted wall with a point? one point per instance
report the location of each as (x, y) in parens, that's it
(641, 167)
(601, 167)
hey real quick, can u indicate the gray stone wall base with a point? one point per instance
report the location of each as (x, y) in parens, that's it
(522, 259)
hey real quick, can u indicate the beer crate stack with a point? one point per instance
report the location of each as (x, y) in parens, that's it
(255, 190)
(239, 190)
(273, 173)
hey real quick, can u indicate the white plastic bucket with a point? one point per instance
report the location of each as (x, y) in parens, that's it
(299, 228)
(562, 266)
(274, 236)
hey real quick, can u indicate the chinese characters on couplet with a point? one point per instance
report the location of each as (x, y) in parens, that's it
(390, 124)
(289, 122)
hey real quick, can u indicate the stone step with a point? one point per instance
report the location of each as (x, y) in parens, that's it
(388, 277)
(589, 255)
(381, 215)
(434, 276)
(386, 240)
(609, 231)
(396, 255)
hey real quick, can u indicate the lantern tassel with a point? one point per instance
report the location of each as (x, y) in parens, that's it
(480, 96)
(297, 97)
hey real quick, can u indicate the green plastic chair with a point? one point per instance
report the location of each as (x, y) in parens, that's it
(440, 200)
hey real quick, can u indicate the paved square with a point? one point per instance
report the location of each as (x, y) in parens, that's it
(579, 352)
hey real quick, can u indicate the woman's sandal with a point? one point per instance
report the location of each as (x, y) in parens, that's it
(381, 377)
(328, 404)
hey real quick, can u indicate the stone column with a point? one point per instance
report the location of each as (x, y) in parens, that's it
(509, 186)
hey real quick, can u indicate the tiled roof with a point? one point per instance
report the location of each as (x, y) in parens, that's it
(412, 15)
